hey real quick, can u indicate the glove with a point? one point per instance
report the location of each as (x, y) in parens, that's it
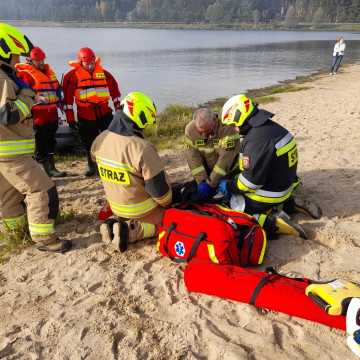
(223, 188)
(74, 126)
(205, 191)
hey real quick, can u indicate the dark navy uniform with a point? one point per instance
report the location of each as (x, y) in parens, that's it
(268, 163)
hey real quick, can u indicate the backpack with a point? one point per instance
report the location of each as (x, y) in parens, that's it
(213, 233)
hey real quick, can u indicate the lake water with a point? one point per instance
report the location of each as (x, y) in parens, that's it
(193, 66)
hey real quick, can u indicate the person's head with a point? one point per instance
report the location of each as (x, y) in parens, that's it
(86, 57)
(13, 44)
(341, 40)
(139, 108)
(237, 110)
(205, 121)
(37, 58)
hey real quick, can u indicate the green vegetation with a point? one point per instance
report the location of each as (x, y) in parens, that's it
(169, 129)
(13, 240)
(270, 14)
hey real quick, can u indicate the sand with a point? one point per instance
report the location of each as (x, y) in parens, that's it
(93, 303)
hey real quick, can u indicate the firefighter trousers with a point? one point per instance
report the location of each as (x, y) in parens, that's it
(145, 227)
(25, 188)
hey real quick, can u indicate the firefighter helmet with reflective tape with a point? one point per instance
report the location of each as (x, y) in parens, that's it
(140, 108)
(13, 42)
(37, 54)
(86, 55)
(236, 110)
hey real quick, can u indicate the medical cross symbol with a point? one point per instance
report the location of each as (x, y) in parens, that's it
(180, 248)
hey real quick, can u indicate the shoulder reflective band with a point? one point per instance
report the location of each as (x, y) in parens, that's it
(287, 145)
(219, 170)
(272, 197)
(17, 147)
(198, 170)
(114, 172)
(24, 109)
(133, 210)
(41, 229)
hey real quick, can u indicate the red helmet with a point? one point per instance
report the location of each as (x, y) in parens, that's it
(86, 55)
(37, 54)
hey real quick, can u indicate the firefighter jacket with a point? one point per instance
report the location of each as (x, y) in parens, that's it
(131, 171)
(210, 159)
(44, 83)
(16, 100)
(91, 92)
(268, 161)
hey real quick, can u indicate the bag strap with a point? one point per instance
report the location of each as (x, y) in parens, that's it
(272, 276)
(171, 228)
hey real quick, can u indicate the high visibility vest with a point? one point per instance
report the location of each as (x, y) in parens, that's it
(46, 83)
(91, 87)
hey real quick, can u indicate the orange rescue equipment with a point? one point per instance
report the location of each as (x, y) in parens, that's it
(91, 88)
(46, 83)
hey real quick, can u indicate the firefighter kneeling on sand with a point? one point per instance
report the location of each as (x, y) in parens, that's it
(211, 151)
(24, 186)
(268, 163)
(132, 174)
(42, 79)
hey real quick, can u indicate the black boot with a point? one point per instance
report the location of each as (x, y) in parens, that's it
(92, 167)
(53, 170)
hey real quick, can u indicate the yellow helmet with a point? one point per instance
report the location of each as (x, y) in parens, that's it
(139, 108)
(13, 41)
(236, 110)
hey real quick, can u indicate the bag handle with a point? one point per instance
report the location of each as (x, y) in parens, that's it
(201, 237)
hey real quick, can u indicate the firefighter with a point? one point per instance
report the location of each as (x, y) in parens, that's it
(211, 151)
(42, 79)
(92, 87)
(268, 163)
(132, 174)
(22, 181)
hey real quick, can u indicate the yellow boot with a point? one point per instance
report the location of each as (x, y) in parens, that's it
(286, 226)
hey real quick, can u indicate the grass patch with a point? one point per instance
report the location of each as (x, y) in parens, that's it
(64, 217)
(169, 128)
(13, 240)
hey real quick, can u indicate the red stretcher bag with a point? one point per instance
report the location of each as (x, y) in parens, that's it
(266, 290)
(213, 233)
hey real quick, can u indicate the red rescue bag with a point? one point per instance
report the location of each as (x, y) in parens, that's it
(214, 233)
(264, 290)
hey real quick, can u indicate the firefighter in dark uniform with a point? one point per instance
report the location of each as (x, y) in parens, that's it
(268, 163)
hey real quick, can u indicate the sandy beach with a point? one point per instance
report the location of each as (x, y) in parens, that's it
(93, 303)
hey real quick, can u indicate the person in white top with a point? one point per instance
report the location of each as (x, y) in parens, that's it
(338, 54)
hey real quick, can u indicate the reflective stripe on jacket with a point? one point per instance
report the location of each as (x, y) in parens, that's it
(91, 87)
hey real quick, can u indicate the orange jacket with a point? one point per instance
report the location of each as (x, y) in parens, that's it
(91, 92)
(44, 83)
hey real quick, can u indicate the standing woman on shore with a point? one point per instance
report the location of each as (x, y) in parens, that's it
(338, 54)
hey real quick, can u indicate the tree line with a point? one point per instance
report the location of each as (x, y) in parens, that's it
(185, 11)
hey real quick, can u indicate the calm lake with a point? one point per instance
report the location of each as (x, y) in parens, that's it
(193, 66)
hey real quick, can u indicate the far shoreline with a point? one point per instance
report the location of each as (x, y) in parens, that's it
(275, 26)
